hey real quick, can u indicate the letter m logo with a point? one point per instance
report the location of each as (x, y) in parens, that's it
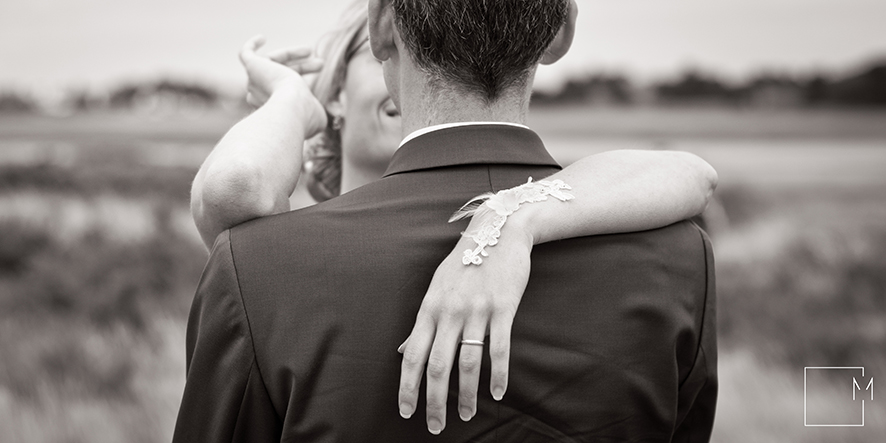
(857, 387)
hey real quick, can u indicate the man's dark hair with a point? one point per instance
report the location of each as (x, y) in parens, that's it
(482, 46)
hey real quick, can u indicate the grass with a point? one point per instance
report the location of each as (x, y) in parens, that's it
(91, 332)
(74, 381)
(801, 280)
(808, 271)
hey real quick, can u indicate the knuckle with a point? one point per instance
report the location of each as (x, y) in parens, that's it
(411, 358)
(469, 363)
(500, 374)
(467, 397)
(485, 301)
(453, 309)
(426, 317)
(499, 351)
(407, 389)
(505, 310)
(437, 367)
(436, 405)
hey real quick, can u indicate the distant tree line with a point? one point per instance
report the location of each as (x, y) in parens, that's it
(159, 95)
(867, 89)
(165, 92)
(17, 103)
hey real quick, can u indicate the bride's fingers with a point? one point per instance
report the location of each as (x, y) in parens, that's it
(415, 354)
(469, 361)
(500, 352)
(439, 368)
(300, 60)
(308, 66)
(253, 44)
(286, 55)
(247, 52)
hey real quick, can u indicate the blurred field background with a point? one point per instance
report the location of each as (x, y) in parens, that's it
(99, 259)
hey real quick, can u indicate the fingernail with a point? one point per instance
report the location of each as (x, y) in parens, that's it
(435, 427)
(465, 414)
(402, 347)
(405, 410)
(498, 393)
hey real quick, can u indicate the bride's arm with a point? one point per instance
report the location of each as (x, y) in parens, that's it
(621, 191)
(615, 191)
(254, 168)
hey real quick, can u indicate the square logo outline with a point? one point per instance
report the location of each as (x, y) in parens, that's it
(806, 422)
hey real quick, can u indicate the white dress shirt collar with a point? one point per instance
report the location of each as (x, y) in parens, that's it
(432, 128)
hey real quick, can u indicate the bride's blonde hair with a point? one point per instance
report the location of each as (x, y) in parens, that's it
(323, 153)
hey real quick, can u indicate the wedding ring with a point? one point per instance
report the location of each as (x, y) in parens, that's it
(473, 342)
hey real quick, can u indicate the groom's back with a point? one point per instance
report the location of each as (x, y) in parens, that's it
(613, 338)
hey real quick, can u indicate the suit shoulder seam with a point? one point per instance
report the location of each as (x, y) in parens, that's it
(698, 347)
(246, 314)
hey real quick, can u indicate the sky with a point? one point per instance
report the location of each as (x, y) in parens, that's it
(47, 46)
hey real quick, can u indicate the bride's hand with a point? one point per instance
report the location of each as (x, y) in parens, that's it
(282, 70)
(299, 59)
(464, 302)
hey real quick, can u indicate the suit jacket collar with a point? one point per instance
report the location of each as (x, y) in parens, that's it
(475, 144)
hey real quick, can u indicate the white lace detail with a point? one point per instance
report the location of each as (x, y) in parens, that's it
(498, 207)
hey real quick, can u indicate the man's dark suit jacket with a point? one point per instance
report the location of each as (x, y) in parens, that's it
(294, 329)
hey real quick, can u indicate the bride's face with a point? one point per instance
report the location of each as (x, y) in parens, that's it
(371, 129)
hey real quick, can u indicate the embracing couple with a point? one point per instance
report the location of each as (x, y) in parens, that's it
(371, 317)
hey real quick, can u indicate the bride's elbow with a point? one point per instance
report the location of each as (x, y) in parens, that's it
(702, 176)
(236, 192)
(701, 171)
(707, 175)
(713, 179)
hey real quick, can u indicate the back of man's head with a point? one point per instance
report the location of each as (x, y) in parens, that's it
(483, 47)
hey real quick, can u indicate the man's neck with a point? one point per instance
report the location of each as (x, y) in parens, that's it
(427, 108)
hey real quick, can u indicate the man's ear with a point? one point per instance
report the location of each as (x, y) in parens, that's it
(381, 29)
(560, 46)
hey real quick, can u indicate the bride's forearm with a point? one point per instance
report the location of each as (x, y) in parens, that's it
(253, 169)
(619, 191)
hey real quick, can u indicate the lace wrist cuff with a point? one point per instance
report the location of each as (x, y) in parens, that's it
(494, 209)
